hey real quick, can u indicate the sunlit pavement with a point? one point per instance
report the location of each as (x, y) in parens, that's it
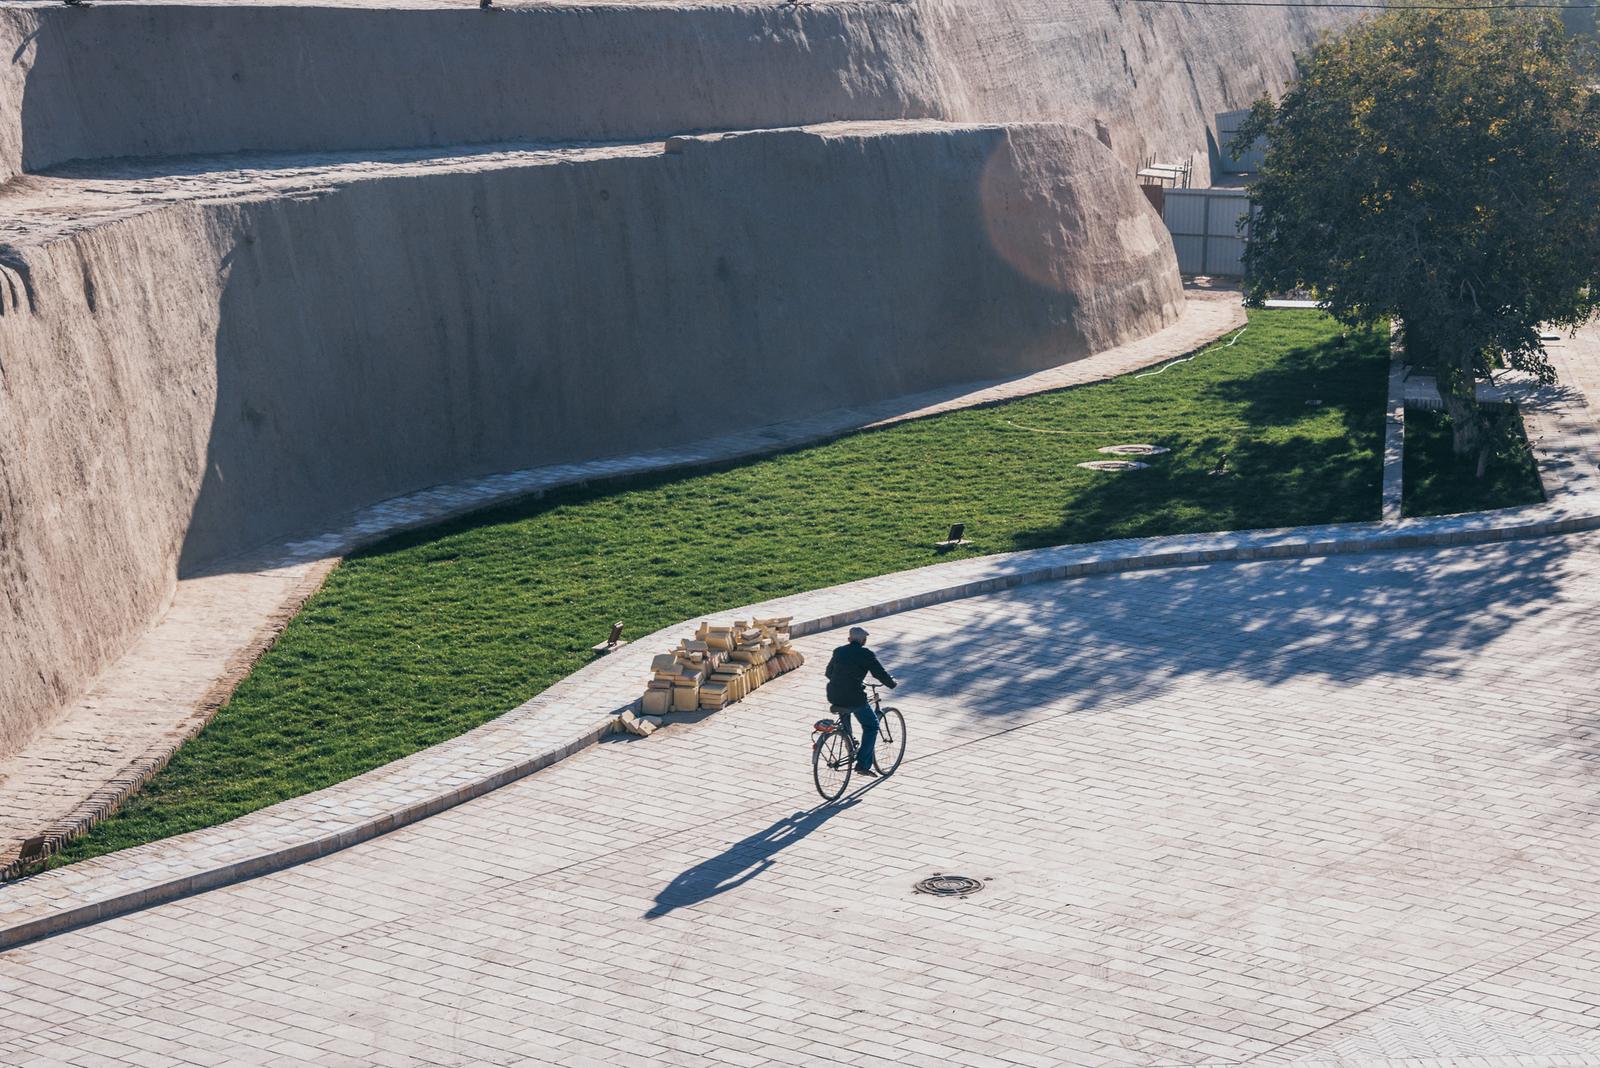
(1338, 811)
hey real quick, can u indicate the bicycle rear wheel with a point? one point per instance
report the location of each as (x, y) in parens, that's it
(833, 758)
(891, 747)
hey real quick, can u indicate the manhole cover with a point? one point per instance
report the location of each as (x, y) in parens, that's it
(1134, 450)
(1113, 465)
(949, 885)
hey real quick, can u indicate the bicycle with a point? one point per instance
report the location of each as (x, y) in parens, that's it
(833, 748)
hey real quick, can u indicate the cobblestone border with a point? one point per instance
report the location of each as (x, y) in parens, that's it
(576, 712)
(301, 566)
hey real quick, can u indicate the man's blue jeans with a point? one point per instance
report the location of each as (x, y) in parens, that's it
(869, 732)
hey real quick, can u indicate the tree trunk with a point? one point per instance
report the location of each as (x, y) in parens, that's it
(1461, 402)
(1458, 387)
(1469, 428)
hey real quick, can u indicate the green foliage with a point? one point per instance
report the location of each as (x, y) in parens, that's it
(432, 633)
(1442, 167)
(1438, 482)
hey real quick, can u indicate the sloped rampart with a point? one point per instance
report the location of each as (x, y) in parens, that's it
(209, 373)
(136, 79)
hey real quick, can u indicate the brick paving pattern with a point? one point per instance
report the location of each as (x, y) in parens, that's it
(1563, 422)
(1321, 811)
(169, 684)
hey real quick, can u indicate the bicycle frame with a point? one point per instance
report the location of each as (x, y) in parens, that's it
(874, 702)
(824, 729)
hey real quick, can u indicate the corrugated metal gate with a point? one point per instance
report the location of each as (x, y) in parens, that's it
(1246, 162)
(1205, 228)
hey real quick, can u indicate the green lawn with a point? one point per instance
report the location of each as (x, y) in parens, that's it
(1437, 482)
(430, 634)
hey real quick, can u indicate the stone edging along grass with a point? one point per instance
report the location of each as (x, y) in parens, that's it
(578, 711)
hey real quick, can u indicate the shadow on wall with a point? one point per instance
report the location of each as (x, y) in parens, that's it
(402, 333)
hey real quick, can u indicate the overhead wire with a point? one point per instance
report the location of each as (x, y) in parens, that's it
(1375, 6)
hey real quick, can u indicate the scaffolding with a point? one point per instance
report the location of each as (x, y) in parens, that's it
(1166, 175)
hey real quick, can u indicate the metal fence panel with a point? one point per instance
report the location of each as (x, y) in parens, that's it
(1204, 224)
(1191, 252)
(1224, 256)
(1225, 214)
(1184, 212)
(1248, 161)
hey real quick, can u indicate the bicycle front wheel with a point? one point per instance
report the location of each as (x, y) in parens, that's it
(833, 758)
(891, 747)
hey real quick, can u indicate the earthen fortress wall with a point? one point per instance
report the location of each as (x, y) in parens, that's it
(199, 356)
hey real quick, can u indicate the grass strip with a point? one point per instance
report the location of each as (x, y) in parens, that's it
(431, 633)
(1438, 482)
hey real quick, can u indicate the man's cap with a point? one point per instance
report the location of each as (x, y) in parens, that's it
(857, 632)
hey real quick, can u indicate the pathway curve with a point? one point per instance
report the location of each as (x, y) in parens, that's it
(1334, 811)
(167, 687)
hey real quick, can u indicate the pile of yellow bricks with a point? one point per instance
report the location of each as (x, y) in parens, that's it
(719, 666)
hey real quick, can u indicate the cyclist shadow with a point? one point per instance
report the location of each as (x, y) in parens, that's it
(746, 858)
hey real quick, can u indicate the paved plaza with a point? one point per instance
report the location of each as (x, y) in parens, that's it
(1336, 811)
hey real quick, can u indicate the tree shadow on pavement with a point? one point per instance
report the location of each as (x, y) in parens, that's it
(745, 859)
(1095, 643)
(1415, 618)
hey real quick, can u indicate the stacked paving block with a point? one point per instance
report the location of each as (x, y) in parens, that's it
(719, 665)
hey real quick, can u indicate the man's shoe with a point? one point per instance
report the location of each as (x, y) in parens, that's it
(868, 772)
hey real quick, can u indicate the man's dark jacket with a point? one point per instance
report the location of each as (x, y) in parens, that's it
(847, 669)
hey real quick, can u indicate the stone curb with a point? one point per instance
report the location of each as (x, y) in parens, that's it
(1385, 541)
(276, 860)
(1057, 563)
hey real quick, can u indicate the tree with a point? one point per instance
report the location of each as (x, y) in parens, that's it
(1442, 167)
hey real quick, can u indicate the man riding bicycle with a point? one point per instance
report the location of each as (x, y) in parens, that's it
(847, 671)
